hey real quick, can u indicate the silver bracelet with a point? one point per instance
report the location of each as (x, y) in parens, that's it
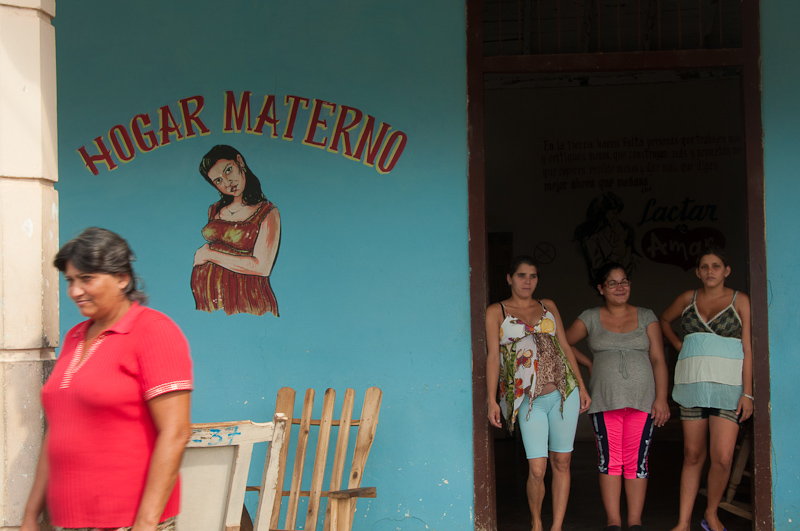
(749, 396)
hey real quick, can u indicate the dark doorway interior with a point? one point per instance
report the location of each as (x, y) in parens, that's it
(585, 512)
(664, 152)
(558, 36)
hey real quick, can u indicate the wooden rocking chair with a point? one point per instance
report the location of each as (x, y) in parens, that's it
(214, 473)
(341, 502)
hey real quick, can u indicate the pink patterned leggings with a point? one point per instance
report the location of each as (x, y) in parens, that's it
(623, 442)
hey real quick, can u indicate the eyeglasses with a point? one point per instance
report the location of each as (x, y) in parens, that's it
(613, 284)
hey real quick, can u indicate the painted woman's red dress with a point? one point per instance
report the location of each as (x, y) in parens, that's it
(217, 288)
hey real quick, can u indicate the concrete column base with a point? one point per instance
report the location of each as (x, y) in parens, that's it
(22, 374)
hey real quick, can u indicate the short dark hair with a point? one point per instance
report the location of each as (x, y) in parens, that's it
(716, 250)
(601, 274)
(97, 250)
(519, 260)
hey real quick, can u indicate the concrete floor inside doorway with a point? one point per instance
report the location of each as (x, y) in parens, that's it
(585, 511)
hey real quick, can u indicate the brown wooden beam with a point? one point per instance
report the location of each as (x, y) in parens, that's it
(613, 62)
(757, 250)
(483, 444)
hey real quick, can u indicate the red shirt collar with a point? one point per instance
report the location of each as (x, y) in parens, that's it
(123, 326)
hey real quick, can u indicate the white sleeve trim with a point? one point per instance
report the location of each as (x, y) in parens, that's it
(180, 385)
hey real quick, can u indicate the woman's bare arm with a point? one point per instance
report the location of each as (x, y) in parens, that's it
(660, 411)
(670, 314)
(583, 359)
(36, 499)
(586, 400)
(171, 414)
(745, 406)
(576, 332)
(494, 319)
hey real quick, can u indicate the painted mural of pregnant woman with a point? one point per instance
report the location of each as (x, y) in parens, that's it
(231, 271)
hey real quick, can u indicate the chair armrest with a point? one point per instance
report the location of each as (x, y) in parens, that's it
(362, 492)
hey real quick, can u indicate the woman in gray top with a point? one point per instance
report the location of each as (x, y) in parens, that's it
(628, 389)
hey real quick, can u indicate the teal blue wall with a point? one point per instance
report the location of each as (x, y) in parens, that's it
(372, 278)
(780, 44)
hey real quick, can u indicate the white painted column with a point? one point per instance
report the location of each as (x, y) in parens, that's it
(28, 240)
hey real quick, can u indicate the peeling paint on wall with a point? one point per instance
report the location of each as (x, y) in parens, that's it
(27, 227)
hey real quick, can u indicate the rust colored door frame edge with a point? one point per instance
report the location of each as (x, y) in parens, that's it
(484, 501)
(756, 230)
(483, 446)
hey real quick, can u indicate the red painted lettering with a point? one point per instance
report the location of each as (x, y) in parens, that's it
(143, 146)
(127, 154)
(168, 125)
(104, 156)
(391, 152)
(365, 140)
(342, 130)
(267, 116)
(296, 101)
(315, 122)
(190, 117)
(239, 113)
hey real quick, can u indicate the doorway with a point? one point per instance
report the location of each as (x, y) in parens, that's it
(486, 74)
(641, 168)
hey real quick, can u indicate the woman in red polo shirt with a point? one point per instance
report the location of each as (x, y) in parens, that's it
(117, 402)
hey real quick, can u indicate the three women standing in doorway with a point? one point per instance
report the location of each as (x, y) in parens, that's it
(537, 373)
(713, 384)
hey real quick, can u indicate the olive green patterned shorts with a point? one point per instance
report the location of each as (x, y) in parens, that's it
(700, 413)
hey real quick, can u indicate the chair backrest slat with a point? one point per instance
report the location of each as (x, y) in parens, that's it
(345, 501)
(284, 405)
(269, 479)
(340, 457)
(299, 460)
(366, 434)
(320, 459)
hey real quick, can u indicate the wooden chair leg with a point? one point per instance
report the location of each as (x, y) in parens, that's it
(247, 522)
(739, 464)
(335, 507)
(341, 514)
(738, 470)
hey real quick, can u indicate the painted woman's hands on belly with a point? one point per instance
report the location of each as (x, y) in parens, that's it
(201, 255)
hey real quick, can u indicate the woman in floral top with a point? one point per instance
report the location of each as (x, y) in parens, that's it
(537, 374)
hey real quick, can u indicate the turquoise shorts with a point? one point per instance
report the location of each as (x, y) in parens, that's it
(545, 429)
